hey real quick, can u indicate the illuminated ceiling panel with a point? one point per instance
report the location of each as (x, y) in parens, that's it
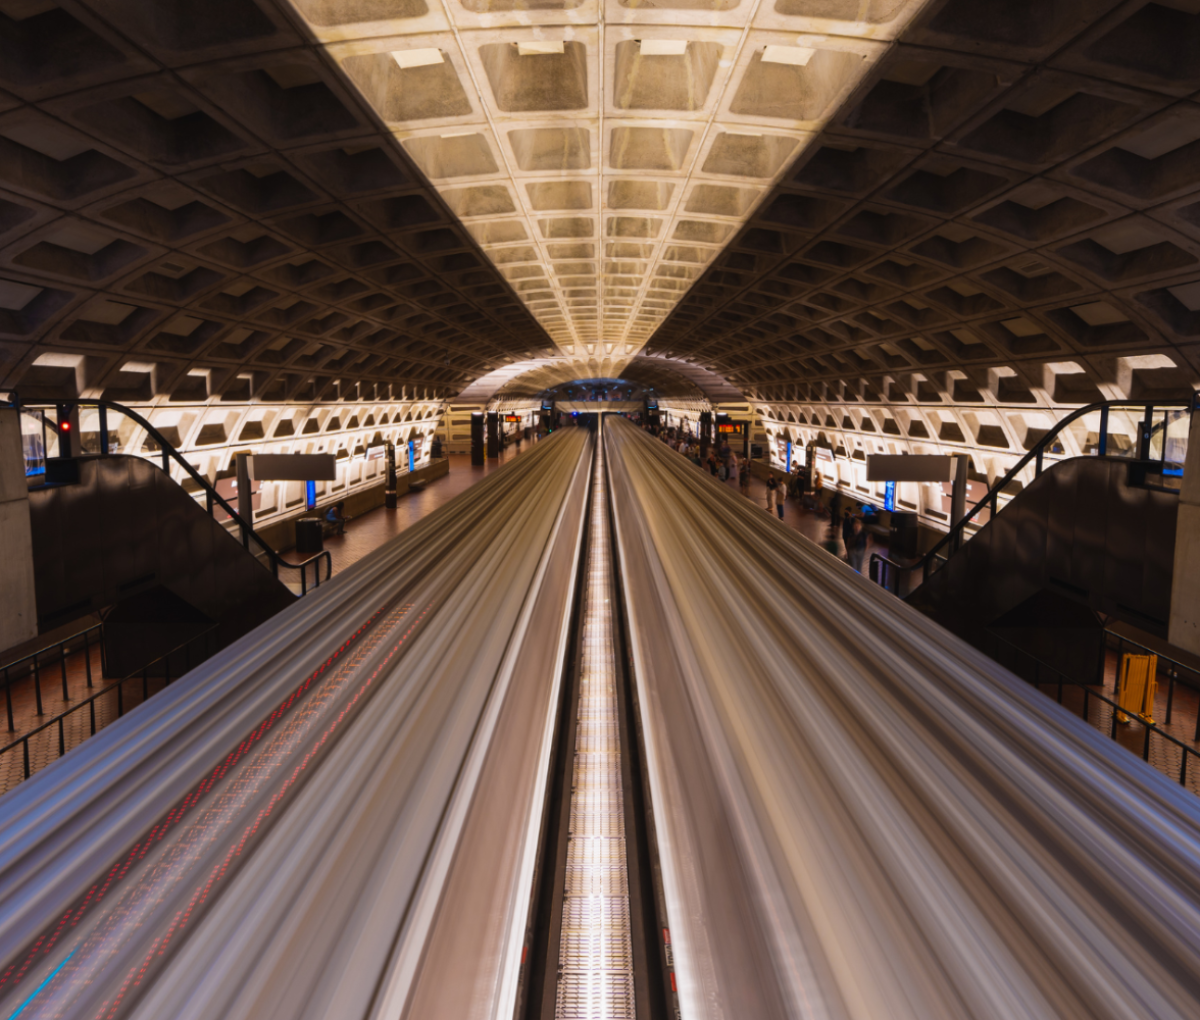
(603, 153)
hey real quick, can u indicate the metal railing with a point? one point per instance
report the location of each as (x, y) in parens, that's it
(32, 663)
(889, 569)
(1045, 675)
(212, 498)
(118, 687)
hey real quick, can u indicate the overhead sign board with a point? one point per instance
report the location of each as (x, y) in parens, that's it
(513, 417)
(733, 427)
(909, 468)
(293, 467)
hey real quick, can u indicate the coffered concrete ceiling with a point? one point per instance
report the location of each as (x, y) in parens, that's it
(602, 152)
(1006, 212)
(667, 378)
(196, 206)
(876, 200)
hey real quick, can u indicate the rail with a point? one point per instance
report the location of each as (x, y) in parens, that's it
(212, 498)
(952, 541)
(34, 659)
(89, 703)
(1061, 680)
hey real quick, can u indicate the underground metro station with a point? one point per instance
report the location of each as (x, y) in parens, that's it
(600, 509)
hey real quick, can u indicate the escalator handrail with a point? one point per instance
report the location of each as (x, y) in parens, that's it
(953, 537)
(211, 494)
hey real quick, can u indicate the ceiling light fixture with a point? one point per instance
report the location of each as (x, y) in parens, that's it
(418, 58)
(797, 56)
(539, 47)
(663, 47)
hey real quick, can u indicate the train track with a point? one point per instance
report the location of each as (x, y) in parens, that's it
(599, 739)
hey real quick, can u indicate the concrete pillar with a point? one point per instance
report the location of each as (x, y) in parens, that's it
(389, 488)
(477, 438)
(18, 604)
(958, 493)
(1184, 628)
(493, 435)
(245, 493)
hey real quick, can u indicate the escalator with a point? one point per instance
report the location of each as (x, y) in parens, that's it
(1080, 545)
(124, 534)
(116, 534)
(1089, 540)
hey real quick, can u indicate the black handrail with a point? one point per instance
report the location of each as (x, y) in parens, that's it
(90, 701)
(34, 659)
(953, 538)
(211, 496)
(1062, 680)
(880, 572)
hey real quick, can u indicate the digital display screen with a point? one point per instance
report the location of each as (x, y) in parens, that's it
(513, 417)
(731, 427)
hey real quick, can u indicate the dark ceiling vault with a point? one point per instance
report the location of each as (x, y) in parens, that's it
(193, 204)
(1007, 210)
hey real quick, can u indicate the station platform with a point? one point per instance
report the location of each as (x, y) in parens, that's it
(367, 533)
(63, 681)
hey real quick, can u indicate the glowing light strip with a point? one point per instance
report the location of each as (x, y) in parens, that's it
(596, 953)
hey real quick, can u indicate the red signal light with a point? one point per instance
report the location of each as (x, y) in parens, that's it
(65, 426)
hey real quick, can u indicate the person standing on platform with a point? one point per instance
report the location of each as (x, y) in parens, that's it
(774, 495)
(856, 546)
(799, 484)
(817, 490)
(848, 530)
(835, 505)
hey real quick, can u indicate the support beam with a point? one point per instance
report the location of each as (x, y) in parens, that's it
(18, 603)
(1184, 628)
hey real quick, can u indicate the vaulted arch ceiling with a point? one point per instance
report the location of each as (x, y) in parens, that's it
(602, 151)
(666, 377)
(1006, 212)
(231, 200)
(972, 201)
(195, 205)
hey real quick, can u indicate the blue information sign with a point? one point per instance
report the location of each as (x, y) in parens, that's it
(310, 495)
(889, 496)
(412, 455)
(789, 457)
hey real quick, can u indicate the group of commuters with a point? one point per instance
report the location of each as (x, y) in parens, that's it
(846, 535)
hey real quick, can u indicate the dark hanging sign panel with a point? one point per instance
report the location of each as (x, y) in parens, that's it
(909, 468)
(293, 467)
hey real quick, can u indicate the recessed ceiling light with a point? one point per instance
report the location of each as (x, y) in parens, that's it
(418, 58)
(538, 47)
(797, 56)
(664, 47)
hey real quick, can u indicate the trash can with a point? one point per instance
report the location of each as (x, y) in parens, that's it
(902, 540)
(310, 535)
